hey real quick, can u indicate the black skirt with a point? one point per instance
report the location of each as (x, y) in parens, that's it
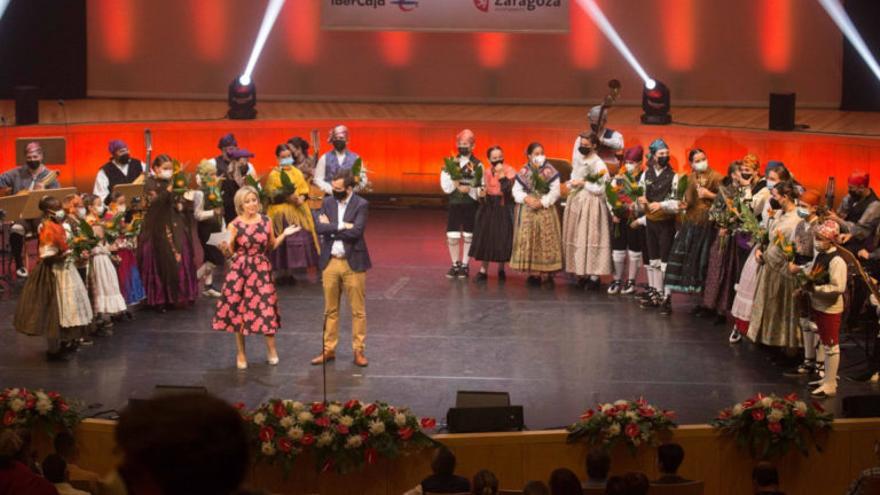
(493, 235)
(212, 253)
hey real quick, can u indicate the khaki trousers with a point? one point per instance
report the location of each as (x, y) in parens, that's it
(336, 278)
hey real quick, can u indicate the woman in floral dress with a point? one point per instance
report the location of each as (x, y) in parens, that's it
(248, 302)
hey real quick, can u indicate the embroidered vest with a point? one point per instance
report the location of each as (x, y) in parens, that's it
(115, 176)
(332, 165)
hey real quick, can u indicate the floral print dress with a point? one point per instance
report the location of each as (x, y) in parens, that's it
(249, 303)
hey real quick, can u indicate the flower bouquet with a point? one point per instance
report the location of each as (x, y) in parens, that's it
(630, 422)
(343, 437)
(749, 224)
(785, 246)
(770, 425)
(23, 408)
(631, 187)
(250, 180)
(450, 166)
(620, 204)
(540, 186)
(84, 241)
(725, 215)
(179, 180)
(211, 192)
(817, 275)
(681, 190)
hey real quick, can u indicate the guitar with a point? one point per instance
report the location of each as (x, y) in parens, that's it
(316, 195)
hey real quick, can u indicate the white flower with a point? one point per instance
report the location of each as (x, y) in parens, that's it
(353, 442)
(334, 409)
(259, 418)
(776, 415)
(295, 433)
(606, 407)
(400, 419)
(766, 402)
(614, 430)
(297, 406)
(801, 406)
(632, 415)
(286, 421)
(16, 404)
(305, 417)
(325, 439)
(41, 395)
(44, 406)
(737, 410)
(13, 392)
(621, 403)
(377, 427)
(346, 420)
(268, 448)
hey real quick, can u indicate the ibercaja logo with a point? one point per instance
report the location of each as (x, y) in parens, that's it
(483, 5)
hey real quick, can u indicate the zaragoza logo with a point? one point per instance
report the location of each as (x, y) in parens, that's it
(483, 5)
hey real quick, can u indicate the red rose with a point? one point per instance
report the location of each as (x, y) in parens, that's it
(587, 415)
(267, 433)
(323, 421)
(405, 433)
(642, 402)
(632, 430)
(285, 445)
(8, 418)
(365, 435)
(777, 405)
(53, 395)
(798, 413)
(670, 415)
(370, 455)
(749, 403)
(353, 403)
(622, 407)
(428, 423)
(30, 403)
(370, 410)
(307, 439)
(279, 410)
(792, 397)
(64, 407)
(611, 412)
(775, 427)
(342, 429)
(647, 412)
(758, 415)
(318, 408)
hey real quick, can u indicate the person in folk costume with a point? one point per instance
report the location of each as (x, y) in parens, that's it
(463, 192)
(232, 167)
(120, 169)
(103, 282)
(628, 233)
(729, 248)
(209, 220)
(306, 164)
(537, 243)
(804, 234)
(300, 249)
(689, 258)
(659, 183)
(826, 302)
(774, 319)
(858, 216)
(610, 143)
(165, 243)
(586, 229)
(54, 301)
(127, 272)
(493, 232)
(336, 160)
(743, 301)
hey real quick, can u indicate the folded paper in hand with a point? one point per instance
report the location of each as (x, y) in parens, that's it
(218, 238)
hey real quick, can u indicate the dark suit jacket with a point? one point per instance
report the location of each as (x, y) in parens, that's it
(353, 239)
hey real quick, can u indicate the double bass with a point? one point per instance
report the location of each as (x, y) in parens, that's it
(611, 157)
(316, 195)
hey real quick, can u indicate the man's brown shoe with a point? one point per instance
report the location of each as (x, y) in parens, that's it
(324, 357)
(360, 359)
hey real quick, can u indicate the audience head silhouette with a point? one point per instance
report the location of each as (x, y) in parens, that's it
(484, 483)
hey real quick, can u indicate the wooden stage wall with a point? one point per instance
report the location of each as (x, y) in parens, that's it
(519, 457)
(404, 156)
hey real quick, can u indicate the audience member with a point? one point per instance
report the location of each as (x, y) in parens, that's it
(564, 482)
(65, 446)
(55, 471)
(636, 483)
(857, 487)
(669, 458)
(536, 488)
(443, 479)
(765, 479)
(484, 483)
(187, 444)
(598, 465)
(15, 476)
(615, 486)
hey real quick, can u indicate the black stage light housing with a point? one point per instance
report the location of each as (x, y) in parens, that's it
(656, 104)
(242, 99)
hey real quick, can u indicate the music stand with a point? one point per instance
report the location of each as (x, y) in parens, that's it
(32, 207)
(129, 190)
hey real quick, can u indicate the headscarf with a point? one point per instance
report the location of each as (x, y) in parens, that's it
(751, 161)
(828, 230)
(116, 145)
(859, 178)
(467, 136)
(339, 131)
(810, 197)
(773, 165)
(226, 141)
(33, 147)
(633, 154)
(655, 146)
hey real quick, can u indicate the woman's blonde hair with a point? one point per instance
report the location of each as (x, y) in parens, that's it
(241, 195)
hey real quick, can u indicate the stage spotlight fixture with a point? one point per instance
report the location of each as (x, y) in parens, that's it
(841, 18)
(655, 104)
(242, 99)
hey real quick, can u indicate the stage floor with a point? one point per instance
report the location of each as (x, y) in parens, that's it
(556, 351)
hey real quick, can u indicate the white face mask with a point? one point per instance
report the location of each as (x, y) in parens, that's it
(59, 215)
(631, 167)
(165, 174)
(99, 209)
(286, 161)
(120, 208)
(81, 212)
(701, 166)
(539, 160)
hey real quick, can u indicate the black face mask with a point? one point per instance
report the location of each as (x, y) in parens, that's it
(663, 160)
(340, 195)
(33, 164)
(339, 145)
(497, 162)
(746, 176)
(856, 194)
(464, 151)
(123, 159)
(584, 150)
(775, 204)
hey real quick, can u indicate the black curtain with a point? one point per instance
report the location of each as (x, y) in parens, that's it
(43, 44)
(861, 88)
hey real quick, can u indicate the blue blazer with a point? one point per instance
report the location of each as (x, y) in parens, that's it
(353, 239)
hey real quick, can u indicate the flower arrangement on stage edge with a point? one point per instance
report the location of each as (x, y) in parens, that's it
(769, 425)
(343, 437)
(630, 422)
(23, 408)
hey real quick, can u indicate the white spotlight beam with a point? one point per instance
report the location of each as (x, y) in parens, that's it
(841, 18)
(609, 31)
(269, 17)
(3, 5)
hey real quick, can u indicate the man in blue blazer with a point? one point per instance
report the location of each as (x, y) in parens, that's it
(344, 262)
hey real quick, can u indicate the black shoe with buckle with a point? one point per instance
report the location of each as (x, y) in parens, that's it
(453, 271)
(629, 288)
(463, 271)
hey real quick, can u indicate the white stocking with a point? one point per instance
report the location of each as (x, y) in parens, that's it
(468, 238)
(661, 282)
(453, 240)
(635, 262)
(619, 259)
(832, 363)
